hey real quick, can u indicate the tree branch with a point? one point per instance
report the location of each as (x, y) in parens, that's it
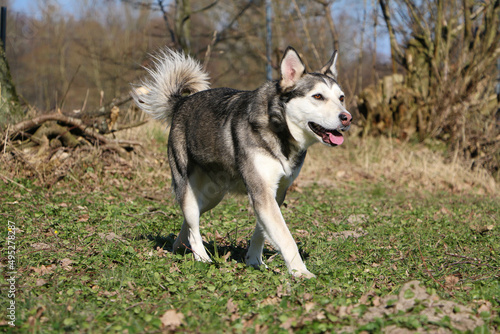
(396, 52)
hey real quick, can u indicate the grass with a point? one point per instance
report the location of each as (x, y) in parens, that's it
(93, 255)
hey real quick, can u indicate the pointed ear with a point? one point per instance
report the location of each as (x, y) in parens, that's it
(330, 68)
(292, 68)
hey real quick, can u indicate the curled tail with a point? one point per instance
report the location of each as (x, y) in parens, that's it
(172, 75)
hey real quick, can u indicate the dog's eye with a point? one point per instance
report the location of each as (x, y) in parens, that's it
(341, 98)
(318, 97)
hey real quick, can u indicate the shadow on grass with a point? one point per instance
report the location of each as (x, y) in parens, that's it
(229, 251)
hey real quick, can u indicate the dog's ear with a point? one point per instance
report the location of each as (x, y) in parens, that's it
(330, 68)
(292, 68)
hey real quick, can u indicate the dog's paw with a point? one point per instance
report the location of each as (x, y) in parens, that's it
(254, 261)
(202, 258)
(303, 274)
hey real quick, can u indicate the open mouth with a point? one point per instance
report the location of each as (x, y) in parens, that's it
(330, 137)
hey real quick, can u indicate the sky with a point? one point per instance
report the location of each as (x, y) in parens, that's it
(30, 6)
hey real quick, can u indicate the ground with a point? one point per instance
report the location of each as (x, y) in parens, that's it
(401, 238)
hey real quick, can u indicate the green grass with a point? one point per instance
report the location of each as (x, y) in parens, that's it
(122, 278)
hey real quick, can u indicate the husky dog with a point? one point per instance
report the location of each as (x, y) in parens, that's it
(225, 140)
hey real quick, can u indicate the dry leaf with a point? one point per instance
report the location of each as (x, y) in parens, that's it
(269, 301)
(486, 307)
(451, 280)
(364, 299)
(109, 236)
(232, 307)
(84, 218)
(309, 306)
(42, 270)
(66, 262)
(172, 319)
(40, 282)
(40, 246)
(287, 324)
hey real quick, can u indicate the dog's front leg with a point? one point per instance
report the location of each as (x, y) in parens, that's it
(273, 226)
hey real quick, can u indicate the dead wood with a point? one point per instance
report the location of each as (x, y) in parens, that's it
(104, 111)
(55, 130)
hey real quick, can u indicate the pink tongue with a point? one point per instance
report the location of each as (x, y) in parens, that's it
(337, 140)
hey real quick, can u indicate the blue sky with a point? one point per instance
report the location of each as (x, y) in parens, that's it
(30, 6)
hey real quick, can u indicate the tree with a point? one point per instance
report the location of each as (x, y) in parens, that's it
(9, 101)
(447, 51)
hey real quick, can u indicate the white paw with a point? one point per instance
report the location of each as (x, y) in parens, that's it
(202, 258)
(302, 274)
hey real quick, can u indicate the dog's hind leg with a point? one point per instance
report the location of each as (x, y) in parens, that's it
(190, 230)
(254, 254)
(196, 198)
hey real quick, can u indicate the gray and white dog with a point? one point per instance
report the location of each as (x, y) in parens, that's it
(225, 140)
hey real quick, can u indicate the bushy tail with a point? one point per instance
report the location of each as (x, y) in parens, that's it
(172, 75)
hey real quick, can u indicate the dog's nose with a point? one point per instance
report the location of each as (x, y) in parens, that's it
(345, 118)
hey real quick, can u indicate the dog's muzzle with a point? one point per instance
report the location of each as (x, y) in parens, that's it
(345, 119)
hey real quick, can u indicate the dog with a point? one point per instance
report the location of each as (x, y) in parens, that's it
(224, 140)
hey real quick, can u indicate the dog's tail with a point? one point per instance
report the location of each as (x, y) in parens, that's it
(173, 75)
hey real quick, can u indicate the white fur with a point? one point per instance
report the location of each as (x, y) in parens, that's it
(326, 112)
(277, 176)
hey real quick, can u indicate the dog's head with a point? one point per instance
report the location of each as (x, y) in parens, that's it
(315, 106)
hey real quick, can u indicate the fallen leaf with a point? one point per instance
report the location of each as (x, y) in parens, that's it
(66, 262)
(287, 324)
(84, 218)
(451, 281)
(42, 270)
(110, 236)
(172, 319)
(40, 282)
(349, 234)
(364, 299)
(269, 301)
(309, 306)
(486, 307)
(40, 246)
(231, 306)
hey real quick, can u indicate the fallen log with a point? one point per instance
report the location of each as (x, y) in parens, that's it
(64, 129)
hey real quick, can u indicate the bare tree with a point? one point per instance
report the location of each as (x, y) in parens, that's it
(447, 51)
(9, 101)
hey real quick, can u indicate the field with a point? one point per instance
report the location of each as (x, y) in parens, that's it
(400, 238)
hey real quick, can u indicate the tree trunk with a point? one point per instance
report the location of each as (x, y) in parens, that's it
(9, 101)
